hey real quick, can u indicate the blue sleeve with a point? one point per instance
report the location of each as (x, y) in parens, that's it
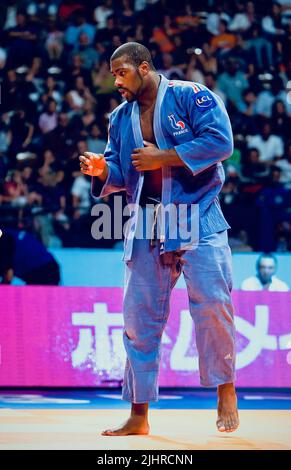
(213, 140)
(114, 182)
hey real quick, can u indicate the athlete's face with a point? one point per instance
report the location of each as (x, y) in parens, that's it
(129, 79)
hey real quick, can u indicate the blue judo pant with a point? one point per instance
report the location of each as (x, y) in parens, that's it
(149, 281)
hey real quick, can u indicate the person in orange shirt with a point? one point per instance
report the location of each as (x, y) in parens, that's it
(224, 41)
(161, 34)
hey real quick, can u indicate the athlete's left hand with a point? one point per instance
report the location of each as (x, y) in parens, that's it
(149, 157)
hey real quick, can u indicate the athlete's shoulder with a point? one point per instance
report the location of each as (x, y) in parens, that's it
(122, 109)
(186, 86)
(196, 94)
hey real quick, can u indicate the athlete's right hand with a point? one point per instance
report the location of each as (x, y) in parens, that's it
(92, 164)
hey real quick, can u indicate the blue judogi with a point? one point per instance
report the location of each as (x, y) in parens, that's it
(193, 120)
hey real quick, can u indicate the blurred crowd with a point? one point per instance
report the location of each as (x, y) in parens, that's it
(57, 93)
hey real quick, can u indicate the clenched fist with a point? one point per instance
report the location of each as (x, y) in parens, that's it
(93, 164)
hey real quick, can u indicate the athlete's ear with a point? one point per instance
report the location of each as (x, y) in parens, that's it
(144, 68)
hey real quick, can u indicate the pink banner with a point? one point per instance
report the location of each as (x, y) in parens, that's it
(70, 336)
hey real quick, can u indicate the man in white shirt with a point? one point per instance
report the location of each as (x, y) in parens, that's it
(268, 145)
(81, 194)
(265, 278)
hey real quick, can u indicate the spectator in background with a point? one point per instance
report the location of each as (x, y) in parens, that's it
(232, 83)
(285, 166)
(26, 258)
(7, 250)
(269, 146)
(271, 93)
(272, 24)
(62, 138)
(22, 42)
(210, 82)
(76, 69)
(280, 122)
(254, 171)
(21, 133)
(79, 95)
(54, 43)
(273, 202)
(265, 278)
(102, 12)
(168, 69)
(51, 90)
(224, 41)
(48, 120)
(95, 143)
(251, 75)
(194, 71)
(81, 194)
(79, 26)
(242, 20)
(214, 17)
(11, 98)
(106, 34)
(89, 55)
(261, 48)
(103, 81)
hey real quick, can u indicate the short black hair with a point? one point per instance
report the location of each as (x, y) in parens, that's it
(135, 52)
(266, 255)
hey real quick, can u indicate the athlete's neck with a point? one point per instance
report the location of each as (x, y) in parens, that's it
(148, 97)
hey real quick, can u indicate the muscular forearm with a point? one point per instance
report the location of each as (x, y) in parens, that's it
(171, 158)
(103, 176)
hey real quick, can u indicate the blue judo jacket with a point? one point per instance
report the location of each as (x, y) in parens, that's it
(193, 120)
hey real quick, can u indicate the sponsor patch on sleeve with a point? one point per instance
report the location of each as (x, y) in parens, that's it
(204, 101)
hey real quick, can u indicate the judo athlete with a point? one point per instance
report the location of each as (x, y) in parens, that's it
(166, 142)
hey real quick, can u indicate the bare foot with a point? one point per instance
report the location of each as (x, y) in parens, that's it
(134, 425)
(227, 419)
(137, 423)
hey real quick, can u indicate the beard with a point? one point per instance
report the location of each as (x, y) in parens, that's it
(131, 95)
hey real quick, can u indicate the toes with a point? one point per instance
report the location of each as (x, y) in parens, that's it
(220, 426)
(108, 432)
(231, 426)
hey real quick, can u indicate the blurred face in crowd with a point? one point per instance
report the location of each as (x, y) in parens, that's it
(52, 107)
(250, 97)
(209, 81)
(222, 27)
(79, 83)
(48, 157)
(82, 147)
(95, 131)
(11, 75)
(250, 7)
(63, 120)
(21, 20)
(266, 269)
(280, 107)
(276, 9)
(77, 61)
(130, 80)
(83, 39)
(266, 131)
(276, 175)
(232, 67)
(26, 173)
(167, 60)
(50, 82)
(116, 40)
(254, 156)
